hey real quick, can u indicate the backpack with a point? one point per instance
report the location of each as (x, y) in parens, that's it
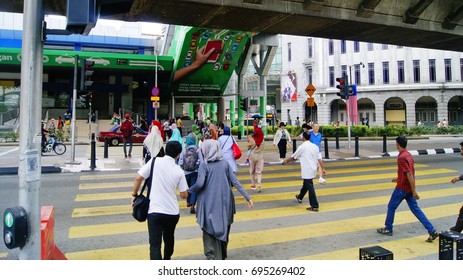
(190, 159)
(126, 128)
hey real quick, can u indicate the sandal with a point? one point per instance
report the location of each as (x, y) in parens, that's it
(312, 209)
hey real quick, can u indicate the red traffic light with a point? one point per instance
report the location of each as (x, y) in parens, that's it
(340, 81)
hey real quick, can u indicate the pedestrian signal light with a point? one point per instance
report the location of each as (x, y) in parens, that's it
(244, 104)
(15, 232)
(86, 73)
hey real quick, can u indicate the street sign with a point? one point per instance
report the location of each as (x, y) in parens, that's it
(155, 91)
(310, 102)
(155, 98)
(156, 104)
(310, 89)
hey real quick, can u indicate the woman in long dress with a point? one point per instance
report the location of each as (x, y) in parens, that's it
(216, 203)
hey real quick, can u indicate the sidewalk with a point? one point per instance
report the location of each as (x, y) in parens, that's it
(372, 148)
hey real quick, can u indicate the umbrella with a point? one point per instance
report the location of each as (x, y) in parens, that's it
(257, 116)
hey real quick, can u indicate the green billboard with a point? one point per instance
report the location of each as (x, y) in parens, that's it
(205, 59)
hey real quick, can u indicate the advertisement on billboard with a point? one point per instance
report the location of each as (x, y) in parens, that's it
(205, 59)
(289, 87)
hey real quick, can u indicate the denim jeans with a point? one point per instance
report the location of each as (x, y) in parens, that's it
(129, 139)
(161, 227)
(191, 180)
(308, 186)
(396, 198)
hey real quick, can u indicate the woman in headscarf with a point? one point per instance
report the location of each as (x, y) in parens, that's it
(226, 143)
(216, 202)
(176, 135)
(197, 132)
(190, 159)
(256, 159)
(152, 145)
(158, 124)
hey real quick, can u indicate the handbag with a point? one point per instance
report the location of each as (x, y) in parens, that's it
(141, 203)
(236, 150)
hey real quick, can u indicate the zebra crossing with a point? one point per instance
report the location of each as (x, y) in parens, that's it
(352, 205)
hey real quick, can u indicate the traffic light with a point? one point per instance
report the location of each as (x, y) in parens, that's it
(86, 73)
(244, 104)
(15, 230)
(88, 99)
(342, 87)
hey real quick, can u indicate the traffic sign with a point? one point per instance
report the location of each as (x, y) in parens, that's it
(156, 104)
(155, 91)
(310, 89)
(155, 98)
(310, 102)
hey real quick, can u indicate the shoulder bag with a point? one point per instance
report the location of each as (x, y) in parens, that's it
(141, 203)
(236, 150)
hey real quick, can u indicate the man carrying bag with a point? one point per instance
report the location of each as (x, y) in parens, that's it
(163, 212)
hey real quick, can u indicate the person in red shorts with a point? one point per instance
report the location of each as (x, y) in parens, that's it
(406, 189)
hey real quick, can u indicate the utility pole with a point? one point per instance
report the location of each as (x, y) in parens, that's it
(29, 169)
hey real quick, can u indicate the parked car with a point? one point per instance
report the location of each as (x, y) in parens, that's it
(114, 135)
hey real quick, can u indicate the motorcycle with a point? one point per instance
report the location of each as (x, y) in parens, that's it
(54, 145)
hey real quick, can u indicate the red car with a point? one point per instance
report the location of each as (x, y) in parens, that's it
(114, 135)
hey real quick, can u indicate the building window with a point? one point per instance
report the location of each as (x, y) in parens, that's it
(400, 71)
(289, 52)
(448, 69)
(370, 47)
(432, 116)
(357, 74)
(371, 73)
(386, 72)
(425, 117)
(330, 47)
(416, 71)
(309, 75)
(344, 70)
(385, 46)
(331, 69)
(356, 46)
(310, 47)
(343, 46)
(432, 70)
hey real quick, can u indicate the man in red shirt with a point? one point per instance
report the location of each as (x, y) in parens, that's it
(405, 189)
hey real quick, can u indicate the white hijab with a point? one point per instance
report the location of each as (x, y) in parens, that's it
(153, 141)
(211, 150)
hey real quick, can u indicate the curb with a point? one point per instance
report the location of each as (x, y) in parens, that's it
(45, 170)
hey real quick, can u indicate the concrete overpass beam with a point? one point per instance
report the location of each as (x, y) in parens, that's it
(313, 5)
(367, 8)
(257, 2)
(451, 21)
(412, 15)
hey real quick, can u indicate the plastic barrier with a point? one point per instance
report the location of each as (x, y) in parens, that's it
(47, 233)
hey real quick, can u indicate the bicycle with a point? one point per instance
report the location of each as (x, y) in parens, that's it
(54, 145)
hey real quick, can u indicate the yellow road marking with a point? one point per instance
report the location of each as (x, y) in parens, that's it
(248, 239)
(332, 172)
(3, 255)
(251, 215)
(290, 183)
(402, 249)
(104, 196)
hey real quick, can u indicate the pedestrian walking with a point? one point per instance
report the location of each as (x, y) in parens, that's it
(153, 145)
(216, 203)
(256, 158)
(226, 143)
(405, 189)
(163, 212)
(459, 223)
(190, 159)
(310, 159)
(282, 140)
(127, 131)
(316, 138)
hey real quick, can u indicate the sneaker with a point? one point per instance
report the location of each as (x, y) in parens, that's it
(253, 187)
(259, 189)
(321, 181)
(312, 209)
(432, 236)
(298, 199)
(384, 231)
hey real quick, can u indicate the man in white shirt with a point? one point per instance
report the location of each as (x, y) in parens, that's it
(163, 212)
(310, 158)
